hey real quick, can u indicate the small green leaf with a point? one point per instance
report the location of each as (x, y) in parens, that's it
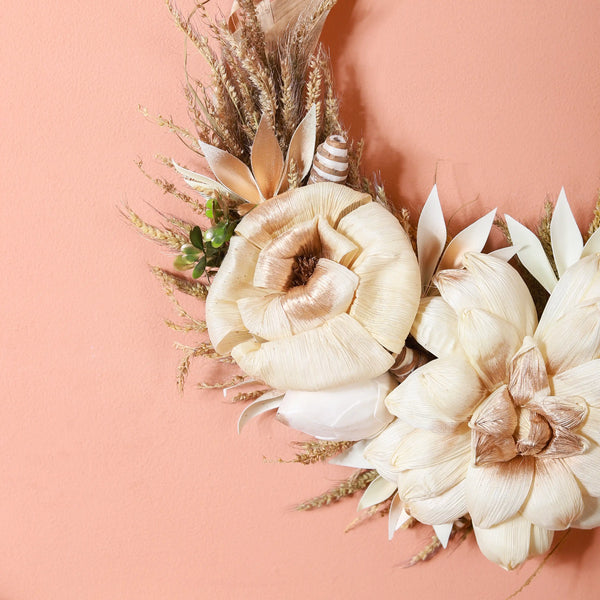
(209, 208)
(182, 264)
(199, 268)
(196, 238)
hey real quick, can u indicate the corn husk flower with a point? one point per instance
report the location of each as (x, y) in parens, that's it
(505, 424)
(270, 172)
(319, 285)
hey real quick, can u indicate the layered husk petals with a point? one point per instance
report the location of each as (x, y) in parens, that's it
(524, 396)
(320, 285)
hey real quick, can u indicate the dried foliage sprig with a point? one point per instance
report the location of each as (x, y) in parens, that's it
(313, 451)
(357, 482)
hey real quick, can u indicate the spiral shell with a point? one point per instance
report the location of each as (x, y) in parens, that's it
(331, 161)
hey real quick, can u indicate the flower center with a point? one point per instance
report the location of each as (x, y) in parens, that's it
(302, 270)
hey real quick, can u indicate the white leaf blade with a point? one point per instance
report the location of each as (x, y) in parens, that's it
(397, 516)
(379, 489)
(567, 242)
(268, 401)
(531, 253)
(431, 236)
(592, 246)
(504, 254)
(471, 239)
(443, 533)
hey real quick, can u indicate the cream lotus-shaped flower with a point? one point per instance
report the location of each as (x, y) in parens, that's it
(505, 424)
(319, 285)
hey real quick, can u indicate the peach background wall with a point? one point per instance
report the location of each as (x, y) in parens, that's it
(113, 485)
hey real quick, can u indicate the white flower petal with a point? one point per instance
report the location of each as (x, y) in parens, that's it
(555, 498)
(496, 492)
(327, 200)
(232, 173)
(422, 448)
(490, 284)
(567, 243)
(268, 401)
(431, 236)
(511, 543)
(380, 450)
(586, 468)
(332, 355)
(346, 413)
(379, 489)
(442, 509)
(574, 339)
(580, 381)
(579, 283)
(590, 517)
(531, 253)
(489, 342)
(438, 396)
(436, 327)
(470, 239)
(420, 484)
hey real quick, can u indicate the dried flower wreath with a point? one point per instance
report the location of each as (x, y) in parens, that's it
(462, 390)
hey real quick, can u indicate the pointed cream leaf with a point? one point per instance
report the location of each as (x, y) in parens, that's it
(531, 253)
(397, 517)
(266, 159)
(232, 173)
(443, 533)
(431, 236)
(471, 239)
(504, 253)
(379, 489)
(567, 243)
(592, 246)
(302, 147)
(268, 401)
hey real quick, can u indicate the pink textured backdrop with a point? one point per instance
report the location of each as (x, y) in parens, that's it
(112, 485)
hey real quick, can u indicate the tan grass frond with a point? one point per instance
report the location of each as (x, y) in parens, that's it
(185, 135)
(313, 451)
(355, 152)
(167, 237)
(187, 286)
(500, 223)
(543, 232)
(359, 481)
(187, 327)
(223, 384)
(293, 175)
(203, 350)
(331, 125)
(248, 396)
(595, 224)
(427, 553)
(314, 86)
(378, 510)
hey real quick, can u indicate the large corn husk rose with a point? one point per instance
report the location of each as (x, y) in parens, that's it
(505, 423)
(319, 285)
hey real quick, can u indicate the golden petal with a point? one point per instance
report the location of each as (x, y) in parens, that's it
(438, 396)
(266, 159)
(232, 173)
(555, 499)
(436, 327)
(496, 492)
(334, 245)
(528, 375)
(284, 212)
(339, 352)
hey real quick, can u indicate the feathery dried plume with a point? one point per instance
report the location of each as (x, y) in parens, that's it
(359, 481)
(595, 224)
(249, 396)
(313, 451)
(167, 237)
(543, 232)
(427, 553)
(187, 286)
(222, 384)
(203, 350)
(378, 510)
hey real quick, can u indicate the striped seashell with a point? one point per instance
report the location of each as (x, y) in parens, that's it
(406, 362)
(331, 161)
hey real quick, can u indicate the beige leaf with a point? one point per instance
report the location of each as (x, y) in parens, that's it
(232, 173)
(567, 242)
(302, 147)
(266, 159)
(431, 236)
(379, 489)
